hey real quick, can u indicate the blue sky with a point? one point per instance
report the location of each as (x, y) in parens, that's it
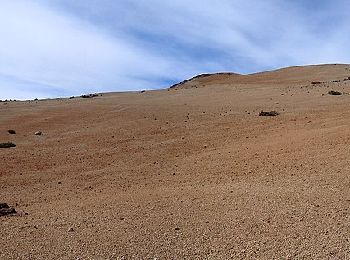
(58, 48)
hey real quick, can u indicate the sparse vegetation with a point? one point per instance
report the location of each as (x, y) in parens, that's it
(7, 145)
(334, 93)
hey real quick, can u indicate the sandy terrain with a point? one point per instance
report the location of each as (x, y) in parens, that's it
(187, 173)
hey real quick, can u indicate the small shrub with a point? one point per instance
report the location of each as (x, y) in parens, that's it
(7, 145)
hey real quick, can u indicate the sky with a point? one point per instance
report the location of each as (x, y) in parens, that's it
(61, 48)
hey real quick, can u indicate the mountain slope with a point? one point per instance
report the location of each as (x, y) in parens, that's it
(184, 173)
(299, 75)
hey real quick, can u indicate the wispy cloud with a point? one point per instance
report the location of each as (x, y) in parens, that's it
(63, 47)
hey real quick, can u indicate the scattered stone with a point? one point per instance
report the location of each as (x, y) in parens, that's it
(7, 145)
(316, 82)
(12, 132)
(38, 133)
(5, 209)
(89, 96)
(36, 99)
(72, 97)
(269, 113)
(71, 229)
(177, 228)
(334, 93)
(143, 91)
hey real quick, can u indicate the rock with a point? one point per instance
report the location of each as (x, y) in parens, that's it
(71, 229)
(12, 132)
(38, 133)
(269, 113)
(334, 93)
(7, 145)
(5, 209)
(4, 206)
(89, 96)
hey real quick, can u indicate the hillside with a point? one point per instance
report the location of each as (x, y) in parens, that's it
(189, 172)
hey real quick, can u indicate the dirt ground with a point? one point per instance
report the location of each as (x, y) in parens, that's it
(192, 172)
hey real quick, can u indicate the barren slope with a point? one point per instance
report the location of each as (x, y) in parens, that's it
(192, 172)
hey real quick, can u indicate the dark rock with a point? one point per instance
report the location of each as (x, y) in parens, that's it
(38, 133)
(6, 210)
(89, 96)
(316, 82)
(334, 93)
(269, 113)
(4, 206)
(7, 145)
(12, 132)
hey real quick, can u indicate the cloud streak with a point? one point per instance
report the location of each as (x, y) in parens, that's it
(62, 48)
